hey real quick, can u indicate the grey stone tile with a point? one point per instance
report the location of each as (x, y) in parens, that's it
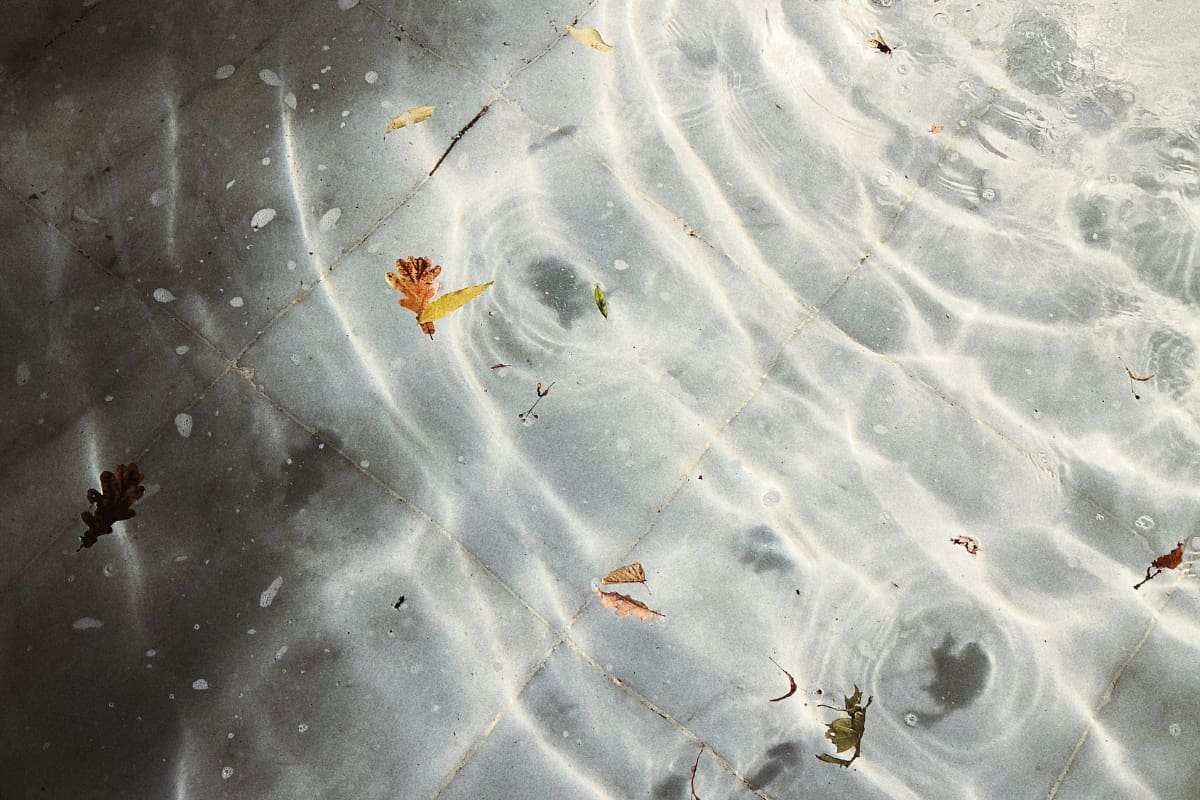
(547, 503)
(91, 372)
(573, 733)
(817, 532)
(244, 623)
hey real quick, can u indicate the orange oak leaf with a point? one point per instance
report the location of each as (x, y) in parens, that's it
(416, 279)
(630, 573)
(1169, 560)
(626, 606)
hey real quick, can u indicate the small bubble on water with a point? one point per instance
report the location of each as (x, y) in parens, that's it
(940, 20)
(302, 727)
(771, 498)
(988, 194)
(1174, 729)
(1144, 522)
(226, 773)
(883, 180)
(910, 720)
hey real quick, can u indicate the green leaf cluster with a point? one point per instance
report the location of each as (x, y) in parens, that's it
(847, 732)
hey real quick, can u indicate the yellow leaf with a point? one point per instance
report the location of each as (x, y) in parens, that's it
(451, 301)
(590, 37)
(410, 117)
(630, 573)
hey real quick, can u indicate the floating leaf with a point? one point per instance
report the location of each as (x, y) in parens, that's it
(967, 542)
(495, 367)
(1133, 378)
(630, 573)
(590, 37)
(410, 117)
(626, 606)
(847, 732)
(936, 129)
(601, 301)
(416, 279)
(121, 489)
(791, 684)
(1169, 560)
(451, 301)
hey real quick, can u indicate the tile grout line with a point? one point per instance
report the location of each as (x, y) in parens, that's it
(1106, 695)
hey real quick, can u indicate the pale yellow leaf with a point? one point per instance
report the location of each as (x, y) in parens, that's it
(590, 37)
(630, 573)
(451, 301)
(410, 117)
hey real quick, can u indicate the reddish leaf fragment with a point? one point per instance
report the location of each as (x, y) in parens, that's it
(499, 366)
(626, 606)
(121, 490)
(967, 542)
(791, 681)
(1169, 560)
(936, 129)
(1133, 378)
(416, 278)
(694, 767)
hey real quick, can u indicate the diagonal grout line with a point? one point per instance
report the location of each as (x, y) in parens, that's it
(1106, 695)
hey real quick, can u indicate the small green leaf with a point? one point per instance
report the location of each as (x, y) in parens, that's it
(828, 759)
(451, 301)
(601, 301)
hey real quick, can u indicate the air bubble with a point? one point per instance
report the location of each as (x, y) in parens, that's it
(910, 720)
(1145, 522)
(940, 20)
(226, 773)
(771, 498)
(988, 194)
(1174, 729)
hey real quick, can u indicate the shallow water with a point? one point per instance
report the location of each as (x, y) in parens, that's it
(860, 305)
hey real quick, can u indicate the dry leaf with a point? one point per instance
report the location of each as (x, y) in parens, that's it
(121, 490)
(967, 542)
(495, 367)
(590, 37)
(936, 129)
(694, 768)
(847, 732)
(630, 573)
(1169, 560)
(1132, 379)
(791, 684)
(410, 117)
(417, 280)
(626, 606)
(451, 301)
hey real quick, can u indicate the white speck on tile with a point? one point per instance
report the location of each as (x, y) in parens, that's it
(325, 69)
(22, 374)
(183, 424)
(231, 183)
(108, 398)
(163, 295)
(182, 350)
(364, 463)
(302, 727)
(346, 5)
(79, 215)
(371, 76)
(321, 167)
(269, 77)
(151, 653)
(295, 359)
(289, 100)
(316, 87)
(225, 71)
(268, 596)
(291, 264)
(266, 161)
(158, 197)
(346, 113)
(261, 218)
(86, 623)
(373, 248)
(200, 684)
(281, 652)
(329, 219)
(237, 302)
(226, 773)
(620, 265)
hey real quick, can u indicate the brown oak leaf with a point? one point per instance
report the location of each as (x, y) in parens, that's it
(120, 491)
(416, 279)
(626, 606)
